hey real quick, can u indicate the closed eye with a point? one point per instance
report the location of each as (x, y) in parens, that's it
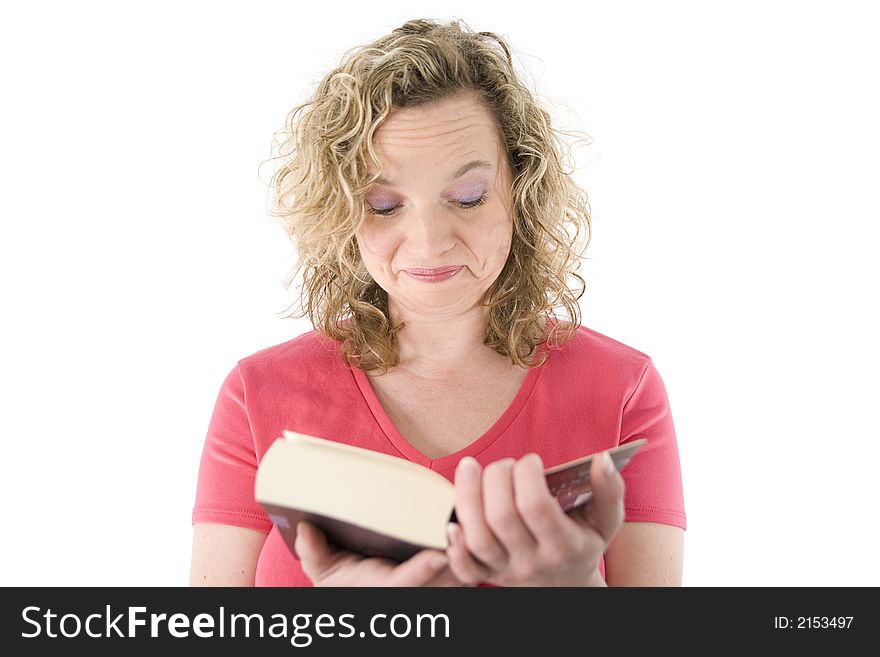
(464, 205)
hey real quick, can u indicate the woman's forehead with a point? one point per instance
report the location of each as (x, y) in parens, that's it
(451, 153)
(443, 121)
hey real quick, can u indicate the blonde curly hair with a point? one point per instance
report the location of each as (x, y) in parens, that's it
(326, 152)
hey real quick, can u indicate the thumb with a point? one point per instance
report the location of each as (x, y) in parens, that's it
(314, 552)
(605, 511)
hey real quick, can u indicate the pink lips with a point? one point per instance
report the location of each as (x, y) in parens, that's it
(431, 272)
(434, 275)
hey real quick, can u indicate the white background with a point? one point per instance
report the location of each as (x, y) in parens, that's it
(733, 180)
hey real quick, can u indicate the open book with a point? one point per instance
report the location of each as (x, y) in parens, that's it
(381, 505)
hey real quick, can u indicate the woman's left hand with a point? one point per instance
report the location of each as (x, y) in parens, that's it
(512, 532)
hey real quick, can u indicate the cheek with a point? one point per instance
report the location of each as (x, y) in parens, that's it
(497, 242)
(375, 244)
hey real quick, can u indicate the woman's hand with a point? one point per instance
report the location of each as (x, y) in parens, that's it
(327, 565)
(512, 532)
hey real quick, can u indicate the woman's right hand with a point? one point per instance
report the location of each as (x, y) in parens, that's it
(327, 565)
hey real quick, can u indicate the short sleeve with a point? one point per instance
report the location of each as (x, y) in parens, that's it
(225, 489)
(653, 475)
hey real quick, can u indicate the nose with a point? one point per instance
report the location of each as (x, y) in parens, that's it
(429, 234)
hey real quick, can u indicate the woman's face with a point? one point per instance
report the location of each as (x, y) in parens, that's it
(429, 179)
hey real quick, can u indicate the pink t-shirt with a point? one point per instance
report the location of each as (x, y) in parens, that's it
(592, 393)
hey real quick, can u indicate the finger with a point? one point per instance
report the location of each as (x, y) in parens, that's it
(419, 569)
(469, 512)
(605, 511)
(446, 579)
(541, 512)
(316, 554)
(501, 511)
(461, 562)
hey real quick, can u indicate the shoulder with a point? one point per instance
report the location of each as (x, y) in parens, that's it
(590, 352)
(304, 357)
(600, 344)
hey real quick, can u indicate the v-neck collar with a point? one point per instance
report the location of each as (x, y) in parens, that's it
(474, 447)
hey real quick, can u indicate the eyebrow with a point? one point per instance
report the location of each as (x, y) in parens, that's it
(473, 164)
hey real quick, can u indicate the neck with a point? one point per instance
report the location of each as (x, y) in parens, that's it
(438, 346)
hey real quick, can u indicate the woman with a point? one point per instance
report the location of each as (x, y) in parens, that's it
(424, 189)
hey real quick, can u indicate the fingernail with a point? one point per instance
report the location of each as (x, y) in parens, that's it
(452, 533)
(467, 467)
(438, 561)
(609, 463)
